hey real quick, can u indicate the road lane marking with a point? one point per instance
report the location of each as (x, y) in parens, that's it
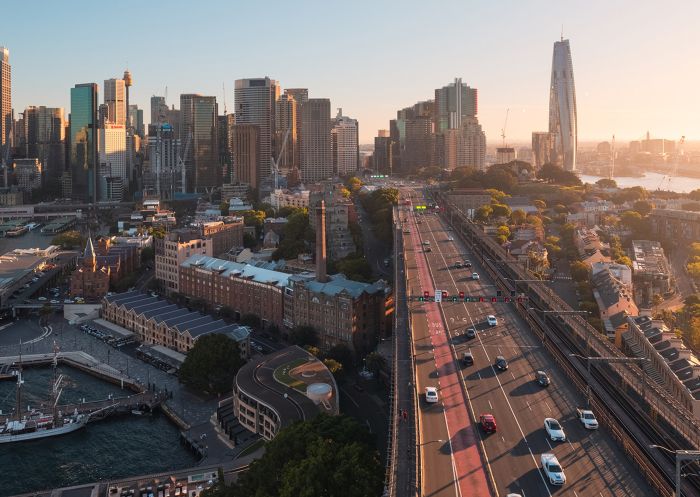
(490, 406)
(528, 405)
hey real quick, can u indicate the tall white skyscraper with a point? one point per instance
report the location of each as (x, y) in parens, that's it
(113, 173)
(115, 100)
(562, 107)
(316, 152)
(255, 104)
(346, 150)
(5, 97)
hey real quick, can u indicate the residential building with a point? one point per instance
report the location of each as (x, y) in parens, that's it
(542, 147)
(587, 241)
(243, 288)
(83, 141)
(115, 100)
(530, 253)
(255, 104)
(650, 271)
(678, 226)
(454, 103)
(563, 124)
(340, 211)
(163, 176)
(264, 406)
(669, 363)
(619, 271)
(528, 232)
(28, 174)
(246, 146)
(289, 198)
(419, 143)
(46, 139)
(5, 99)
(156, 321)
(316, 153)
(223, 235)
(614, 300)
(173, 250)
(383, 152)
(504, 155)
(113, 173)
(345, 145)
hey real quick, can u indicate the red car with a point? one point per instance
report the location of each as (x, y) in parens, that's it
(488, 423)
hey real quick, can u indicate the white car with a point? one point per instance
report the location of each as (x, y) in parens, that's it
(555, 432)
(431, 395)
(553, 470)
(42, 299)
(475, 276)
(450, 239)
(491, 320)
(587, 418)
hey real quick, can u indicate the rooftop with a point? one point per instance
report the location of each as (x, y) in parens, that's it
(649, 257)
(236, 269)
(338, 283)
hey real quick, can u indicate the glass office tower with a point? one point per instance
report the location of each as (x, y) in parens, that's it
(83, 141)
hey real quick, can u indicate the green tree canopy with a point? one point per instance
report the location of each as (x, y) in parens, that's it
(557, 175)
(355, 268)
(353, 183)
(644, 207)
(540, 204)
(375, 362)
(579, 271)
(501, 210)
(330, 456)
(69, 240)
(303, 335)
(518, 216)
(606, 183)
(212, 364)
(483, 213)
(298, 236)
(342, 354)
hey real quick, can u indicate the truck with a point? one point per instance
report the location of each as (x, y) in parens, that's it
(587, 418)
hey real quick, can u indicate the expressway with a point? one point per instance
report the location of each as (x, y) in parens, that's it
(594, 465)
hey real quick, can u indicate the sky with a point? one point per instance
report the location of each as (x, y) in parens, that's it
(635, 63)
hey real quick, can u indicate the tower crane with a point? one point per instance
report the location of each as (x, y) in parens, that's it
(274, 164)
(181, 164)
(503, 129)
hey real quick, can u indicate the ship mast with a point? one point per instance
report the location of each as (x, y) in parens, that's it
(19, 385)
(56, 389)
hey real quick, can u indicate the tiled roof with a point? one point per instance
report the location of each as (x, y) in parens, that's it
(338, 283)
(230, 268)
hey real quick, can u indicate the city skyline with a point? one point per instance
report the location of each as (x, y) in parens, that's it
(506, 60)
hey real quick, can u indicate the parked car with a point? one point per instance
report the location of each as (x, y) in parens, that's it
(475, 276)
(467, 264)
(501, 363)
(42, 299)
(471, 332)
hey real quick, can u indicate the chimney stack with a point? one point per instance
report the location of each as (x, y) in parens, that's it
(321, 242)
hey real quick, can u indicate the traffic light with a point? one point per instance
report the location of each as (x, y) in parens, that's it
(499, 293)
(461, 295)
(444, 295)
(426, 295)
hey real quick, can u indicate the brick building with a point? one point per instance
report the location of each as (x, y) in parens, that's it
(173, 250)
(90, 280)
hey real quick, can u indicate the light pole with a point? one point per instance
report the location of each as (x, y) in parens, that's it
(681, 457)
(608, 360)
(565, 313)
(430, 442)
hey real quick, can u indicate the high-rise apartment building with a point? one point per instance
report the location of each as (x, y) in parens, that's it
(198, 126)
(245, 149)
(5, 99)
(45, 139)
(453, 103)
(418, 143)
(115, 100)
(383, 152)
(159, 110)
(113, 172)
(463, 147)
(345, 145)
(163, 177)
(225, 128)
(316, 153)
(300, 96)
(255, 100)
(286, 110)
(562, 107)
(83, 141)
(135, 120)
(542, 146)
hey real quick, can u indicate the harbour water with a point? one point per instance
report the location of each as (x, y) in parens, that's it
(117, 447)
(652, 182)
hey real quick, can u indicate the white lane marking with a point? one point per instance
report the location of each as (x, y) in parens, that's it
(546, 439)
(511, 373)
(522, 433)
(478, 374)
(577, 494)
(528, 405)
(490, 406)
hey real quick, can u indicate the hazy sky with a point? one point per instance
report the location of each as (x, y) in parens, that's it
(635, 62)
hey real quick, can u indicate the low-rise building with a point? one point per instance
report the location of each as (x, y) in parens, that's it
(669, 364)
(528, 232)
(28, 174)
(18, 267)
(619, 271)
(650, 271)
(288, 198)
(156, 321)
(235, 204)
(587, 241)
(243, 288)
(342, 311)
(265, 398)
(678, 226)
(614, 300)
(173, 250)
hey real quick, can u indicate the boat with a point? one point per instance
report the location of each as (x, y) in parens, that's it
(33, 226)
(18, 231)
(35, 424)
(136, 412)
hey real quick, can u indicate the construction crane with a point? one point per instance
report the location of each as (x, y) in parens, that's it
(223, 85)
(503, 129)
(181, 164)
(611, 173)
(669, 177)
(274, 164)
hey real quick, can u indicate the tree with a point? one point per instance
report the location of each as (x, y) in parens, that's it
(375, 362)
(540, 204)
(501, 210)
(252, 320)
(333, 366)
(657, 300)
(557, 175)
(254, 218)
(355, 268)
(148, 254)
(483, 213)
(342, 354)
(211, 365)
(695, 249)
(298, 236)
(606, 183)
(303, 335)
(332, 456)
(501, 239)
(579, 271)
(249, 241)
(68, 240)
(504, 230)
(353, 183)
(518, 216)
(694, 270)
(643, 207)
(224, 207)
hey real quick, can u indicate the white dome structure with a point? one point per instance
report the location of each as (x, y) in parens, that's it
(319, 392)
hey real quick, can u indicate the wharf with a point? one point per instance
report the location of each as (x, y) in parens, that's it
(58, 225)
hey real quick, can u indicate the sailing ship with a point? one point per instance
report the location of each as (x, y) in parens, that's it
(35, 424)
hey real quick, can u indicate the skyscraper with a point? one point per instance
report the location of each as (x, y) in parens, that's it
(113, 175)
(159, 110)
(541, 148)
(286, 117)
(562, 107)
(163, 177)
(45, 139)
(346, 149)
(115, 100)
(5, 99)
(83, 141)
(255, 104)
(202, 115)
(454, 103)
(245, 149)
(300, 96)
(382, 152)
(316, 154)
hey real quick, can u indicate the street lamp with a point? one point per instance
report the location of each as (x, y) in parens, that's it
(609, 360)
(430, 442)
(681, 457)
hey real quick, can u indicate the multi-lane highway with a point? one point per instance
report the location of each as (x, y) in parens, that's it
(509, 458)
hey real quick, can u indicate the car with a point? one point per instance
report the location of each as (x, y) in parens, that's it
(54, 301)
(426, 242)
(475, 276)
(514, 495)
(42, 299)
(552, 469)
(541, 378)
(467, 263)
(468, 358)
(471, 332)
(386, 262)
(554, 430)
(488, 423)
(458, 265)
(587, 418)
(431, 395)
(406, 231)
(68, 301)
(450, 239)
(501, 363)
(491, 320)
(427, 249)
